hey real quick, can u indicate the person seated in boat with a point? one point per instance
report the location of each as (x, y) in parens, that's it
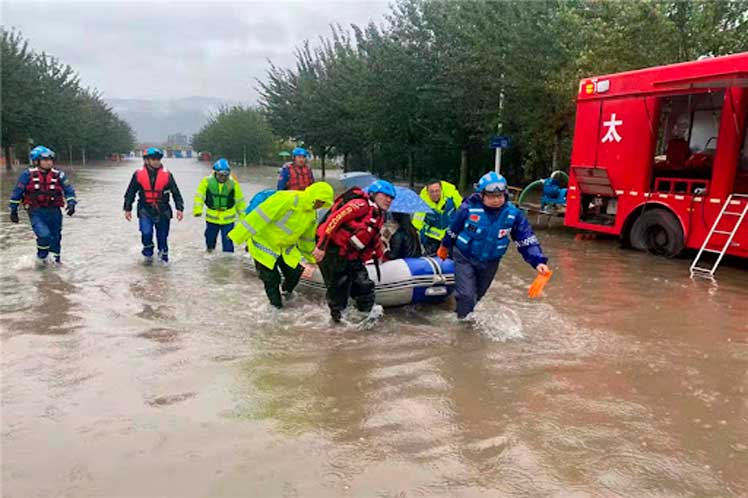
(405, 242)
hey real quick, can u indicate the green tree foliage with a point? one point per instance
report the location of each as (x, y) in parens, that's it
(44, 103)
(420, 96)
(235, 133)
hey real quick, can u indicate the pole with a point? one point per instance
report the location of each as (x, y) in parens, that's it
(497, 164)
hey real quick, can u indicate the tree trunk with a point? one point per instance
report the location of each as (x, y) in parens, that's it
(345, 162)
(83, 155)
(8, 158)
(556, 147)
(410, 168)
(322, 159)
(70, 154)
(464, 170)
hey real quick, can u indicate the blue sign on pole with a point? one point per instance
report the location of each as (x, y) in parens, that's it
(500, 142)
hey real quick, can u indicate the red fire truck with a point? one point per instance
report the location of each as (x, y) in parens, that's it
(660, 158)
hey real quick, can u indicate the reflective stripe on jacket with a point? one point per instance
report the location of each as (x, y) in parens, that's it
(434, 225)
(283, 226)
(221, 200)
(44, 189)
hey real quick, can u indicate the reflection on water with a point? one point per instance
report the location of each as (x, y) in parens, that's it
(626, 379)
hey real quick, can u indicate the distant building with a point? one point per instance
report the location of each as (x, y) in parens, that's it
(178, 140)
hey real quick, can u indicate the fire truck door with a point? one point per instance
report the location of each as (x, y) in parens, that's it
(586, 133)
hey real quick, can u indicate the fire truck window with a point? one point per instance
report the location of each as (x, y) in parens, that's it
(687, 136)
(704, 130)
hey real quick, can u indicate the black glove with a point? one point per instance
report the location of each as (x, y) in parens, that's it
(71, 209)
(14, 215)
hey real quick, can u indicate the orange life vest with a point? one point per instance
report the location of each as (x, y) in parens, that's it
(154, 193)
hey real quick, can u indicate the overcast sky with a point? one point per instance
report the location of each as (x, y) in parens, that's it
(157, 49)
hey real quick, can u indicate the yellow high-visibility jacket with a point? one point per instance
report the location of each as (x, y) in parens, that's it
(222, 201)
(434, 225)
(284, 225)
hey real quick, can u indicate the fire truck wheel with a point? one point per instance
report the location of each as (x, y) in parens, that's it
(657, 231)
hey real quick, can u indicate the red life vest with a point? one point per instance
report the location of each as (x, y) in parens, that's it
(44, 190)
(154, 194)
(299, 177)
(367, 227)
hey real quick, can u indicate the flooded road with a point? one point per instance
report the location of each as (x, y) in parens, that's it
(627, 379)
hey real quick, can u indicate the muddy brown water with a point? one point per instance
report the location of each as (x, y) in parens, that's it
(627, 379)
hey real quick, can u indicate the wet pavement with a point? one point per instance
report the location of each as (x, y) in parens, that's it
(627, 379)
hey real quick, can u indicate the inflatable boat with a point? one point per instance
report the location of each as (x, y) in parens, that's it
(403, 281)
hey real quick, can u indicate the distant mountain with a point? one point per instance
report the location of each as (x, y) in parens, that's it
(155, 119)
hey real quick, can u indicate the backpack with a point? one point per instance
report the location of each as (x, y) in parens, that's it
(258, 199)
(342, 199)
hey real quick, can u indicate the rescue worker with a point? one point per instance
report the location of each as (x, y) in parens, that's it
(279, 232)
(222, 198)
(296, 175)
(480, 236)
(347, 239)
(154, 185)
(444, 199)
(43, 190)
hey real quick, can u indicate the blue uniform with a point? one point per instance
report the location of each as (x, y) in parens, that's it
(480, 236)
(46, 221)
(283, 176)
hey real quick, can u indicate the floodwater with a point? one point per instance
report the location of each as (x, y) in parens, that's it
(627, 379)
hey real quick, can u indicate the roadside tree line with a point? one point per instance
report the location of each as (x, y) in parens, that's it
(43, 102)
(420, 95)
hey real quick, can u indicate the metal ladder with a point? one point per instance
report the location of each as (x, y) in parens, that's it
(700, 271)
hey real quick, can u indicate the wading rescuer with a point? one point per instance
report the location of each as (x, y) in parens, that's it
(43, 190)
(444, 199)
(347, 239)
(153, 184)
(279, 232)
(222, 198)
(296, 175)
(480, 236)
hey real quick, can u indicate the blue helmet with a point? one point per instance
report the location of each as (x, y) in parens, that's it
(491, 183)
(300, 151)
(222, 166)
(41, 152)
(382, 186)
(154, 152)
